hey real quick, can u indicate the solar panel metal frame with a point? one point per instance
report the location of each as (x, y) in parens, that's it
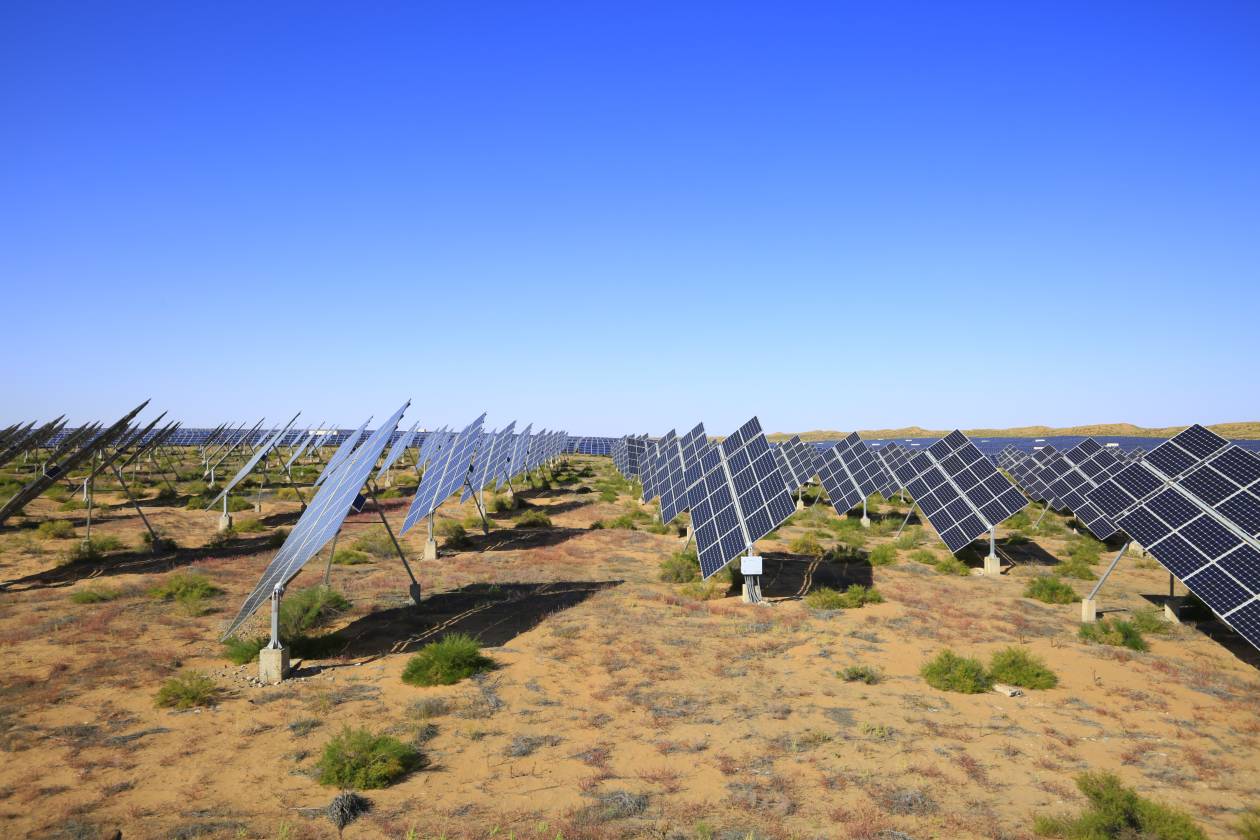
(445, 477)
(1071, 475)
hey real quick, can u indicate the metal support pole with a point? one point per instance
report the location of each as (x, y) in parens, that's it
(276, 592)
(380, 511)
(152, 534)
(1111, 568)
(1039, 518)
(905, 521)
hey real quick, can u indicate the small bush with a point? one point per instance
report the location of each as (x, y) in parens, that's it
(1150, 620)
(188, 589)
(359, 759)
(446, 662)
(186, 691)
(94, 595)
(1116, 811)
(351, 557)
(951, 565)
(826, 598)
(882, 555)
(505, 503)
(862, 673)
(806, 544)
(909, 538)
(1248, 825)
(243, 651)
(55, 529)
(1050, 590)
(681, 567)
(951, 672)
(533, 519)
(925, 556)
(1019, 667)
(1116, 633)
(250, 526)
(1075, 568)
(307, 609)
(1085, 549)
(454, 535)
(608, 495)
(276, 538)
(625, 522)
(703, 590)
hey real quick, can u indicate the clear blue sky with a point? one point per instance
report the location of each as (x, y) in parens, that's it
(632, 217)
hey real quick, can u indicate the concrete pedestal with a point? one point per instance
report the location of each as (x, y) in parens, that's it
(751, 594)
(273, 665)
(992, 565)
(1089, 610)
(257, 507)
(800, 504)
(225, 522)
(866, 521)
(1172, 610)
(430, 550)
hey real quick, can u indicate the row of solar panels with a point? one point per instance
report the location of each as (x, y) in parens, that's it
(1193, 502)
(471, 460)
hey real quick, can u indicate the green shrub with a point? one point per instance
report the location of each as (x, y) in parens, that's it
(608, 495)
(188, 589)
(250, 526)
(1150, 620)
(503, 503)
(187, 690)
(951, 565)
(243, 651)
(351, 557)
(1049, 589)
(453, 534)
(1116, 811)
(472, 522)
(55, 529)
(533, 519)
(826, 598)
(882, 555)
(1248, 825)
(446, 662)
(358, 759)
(276, 538)
(925, 556)
(681, 567)
(625, 522)
(948, 671)
(862, 673)
(1019, 667)
(909, 538)
(1075, 568)
(1117, 633)
(307, 609)
(1019, 521)
(1085, 549)
(94, 595)
(703, 590)
(806, 544)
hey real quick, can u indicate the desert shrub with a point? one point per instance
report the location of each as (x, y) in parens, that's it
(55, 529)
(166, 496)
(806, 544)
(446, 661)
(236, 504)
(186, 691)
(625, 522)
(951, 565)
(658, 528)
(94, 595)
(453, 534)
(276, 538)
(503, 503)
(533, 519)
(307, 609)
(1075, 568)
(882, 555)
(862, 673)
(826, 598)
(1019, 667)
(351, 557)
(243, 651)
(1116, 811)
(681, 567)
(471, 522)
(1049, 589)
(359, 759)
(250, 526)
(1019, 521)
(925, 556)
(161, 543)
(909, 538)
(1117, 633)
(1085, 549)
(948, 671)
(608, 495)
(188, 589)
(1248, 825)
(1150, 620)
(702, 590)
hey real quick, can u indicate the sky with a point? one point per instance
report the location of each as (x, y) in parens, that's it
(616, 218)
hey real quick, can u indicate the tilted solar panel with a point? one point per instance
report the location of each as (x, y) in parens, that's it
(445, 476)
(864, 467)
(785, 469)
(1073, 474)
(802, 458)
(1194, 504)
(673, 487)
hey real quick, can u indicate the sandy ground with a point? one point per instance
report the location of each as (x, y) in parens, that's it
(730, 719)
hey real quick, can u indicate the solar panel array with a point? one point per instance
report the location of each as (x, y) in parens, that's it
(893, 456)
(959, 490)
(1194, 503)
(492, 456)
(669, 476)
(1027, 474)
(445, 476)
(1073, 474)
(736, 496)
(320, 521)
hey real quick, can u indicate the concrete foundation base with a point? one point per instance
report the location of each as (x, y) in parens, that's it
(430, 550)
(800, 504)
(273, 665)
(1172, 610)
(1089, 610)
(992, 565)
(225, 522)
(257, 507)
(690, 533)
(866, 521)
(751, 594)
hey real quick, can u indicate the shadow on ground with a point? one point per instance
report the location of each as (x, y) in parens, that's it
(792, 575)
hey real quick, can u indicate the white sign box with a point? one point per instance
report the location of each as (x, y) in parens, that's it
(750, 565)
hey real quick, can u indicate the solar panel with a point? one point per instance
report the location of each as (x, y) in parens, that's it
(343, 452)
(320, 521)
(959, 490)
(1073, 474)
(738, 496)
(516, 460)
(647, 470)
(785, 469)
(1194, 504)
(446, 475)
(491, 459)
(1027, 474)
(893, 456)
(400, 446)
(673, 488)
(249, 465)
(864, 467)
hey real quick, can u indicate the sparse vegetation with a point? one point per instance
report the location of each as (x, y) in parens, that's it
(1049, 589)
(1017, 666)
(361, 760)
(190, 590)
(533, 518)
(187, 691)
(862, 673)
(93, 549)
(1150, 620)
(925, 556)
(1248, 825)
(951, 565)
(308, 609)
(948, 671)
(55, 529)
(806, 544)
(94, 595)
(857, 595)
(454, 535)
(1116, 811)
(1074, 567)
(446, 662)
(351, 557)
(882, 555)
(1113, 632)
(681, 567)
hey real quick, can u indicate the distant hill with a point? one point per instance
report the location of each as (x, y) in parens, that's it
(1231, 431)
